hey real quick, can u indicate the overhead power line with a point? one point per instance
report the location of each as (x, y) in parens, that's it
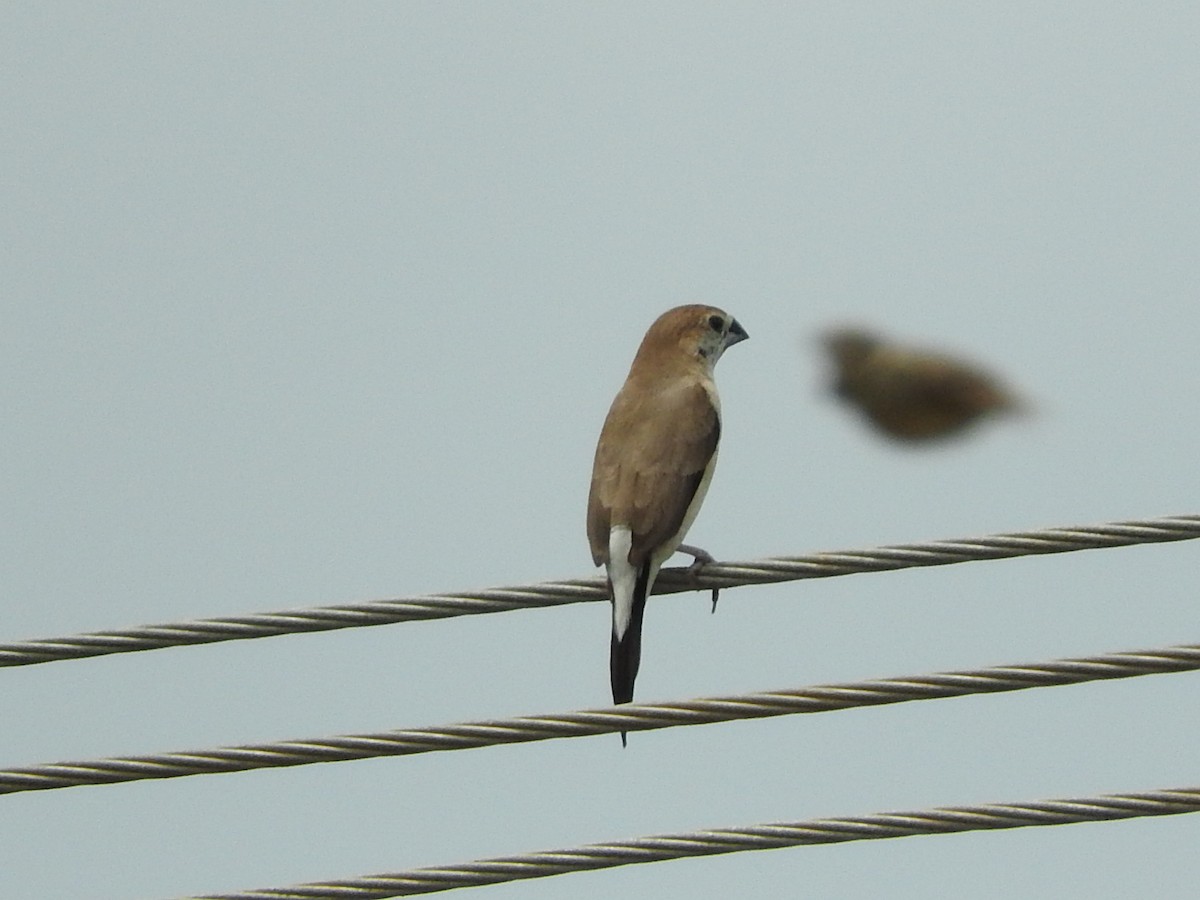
(714, 575)
(657, 848)
(627, 717)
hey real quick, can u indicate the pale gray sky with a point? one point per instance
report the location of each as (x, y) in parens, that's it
(315, 303)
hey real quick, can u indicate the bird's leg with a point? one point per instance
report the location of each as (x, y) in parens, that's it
(700, 559)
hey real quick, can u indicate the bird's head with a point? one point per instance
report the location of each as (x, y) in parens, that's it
(701, 332)
(850, 346)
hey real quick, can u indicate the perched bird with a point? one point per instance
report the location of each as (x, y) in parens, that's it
(653, 464)
(912, 395)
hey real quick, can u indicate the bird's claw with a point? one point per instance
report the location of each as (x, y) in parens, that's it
(700, 559)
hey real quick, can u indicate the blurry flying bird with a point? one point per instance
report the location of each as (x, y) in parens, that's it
(910, 394)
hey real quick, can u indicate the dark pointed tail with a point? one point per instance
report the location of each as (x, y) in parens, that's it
(625, 652)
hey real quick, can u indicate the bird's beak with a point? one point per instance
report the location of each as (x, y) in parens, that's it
(735, 335)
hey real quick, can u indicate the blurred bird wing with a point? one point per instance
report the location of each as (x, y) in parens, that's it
(943, 380)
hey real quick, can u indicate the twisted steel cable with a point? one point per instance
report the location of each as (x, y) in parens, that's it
(628, 717)
(711, 576)
(940, 820)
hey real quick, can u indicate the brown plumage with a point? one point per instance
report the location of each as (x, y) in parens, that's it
(653, 463)
(912, 395)
(648, 478)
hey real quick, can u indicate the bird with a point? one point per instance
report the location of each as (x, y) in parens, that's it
(909, 394)
(653, 463)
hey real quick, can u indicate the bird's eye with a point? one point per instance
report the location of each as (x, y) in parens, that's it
(715, 323)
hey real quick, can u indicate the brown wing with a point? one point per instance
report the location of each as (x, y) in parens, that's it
(651, 458)
(915, 395)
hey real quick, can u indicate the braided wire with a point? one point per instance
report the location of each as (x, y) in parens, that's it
(628, 717)
(710, 576)
(657, 848)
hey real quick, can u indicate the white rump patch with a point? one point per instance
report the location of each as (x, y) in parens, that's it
(623, 577)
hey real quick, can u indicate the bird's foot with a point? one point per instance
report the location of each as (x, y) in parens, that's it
(700, 559)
